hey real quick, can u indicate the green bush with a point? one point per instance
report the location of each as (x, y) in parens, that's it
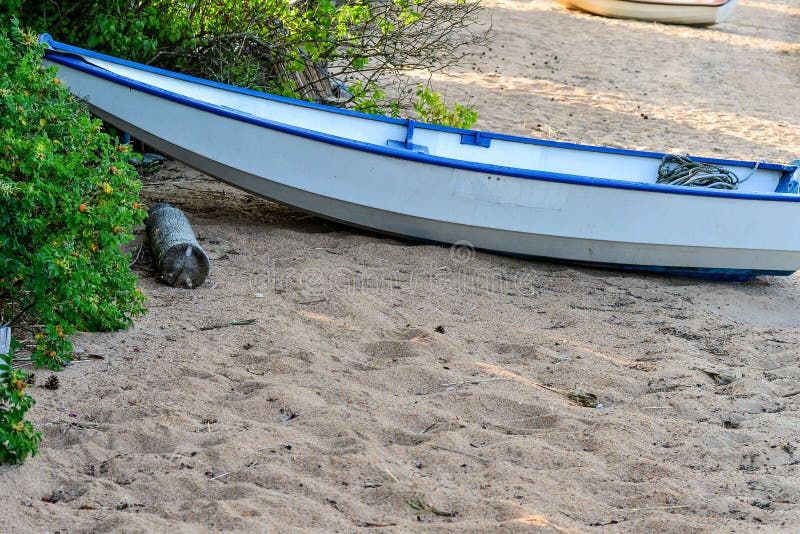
(431, 108)
(68, 201)
(120, 27)
(286, 47)
(18, 439)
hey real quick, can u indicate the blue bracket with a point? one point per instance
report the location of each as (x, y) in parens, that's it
(790, 180)
(476, 139)
(408, 144)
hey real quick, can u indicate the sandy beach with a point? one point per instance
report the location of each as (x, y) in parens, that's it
(377, 372)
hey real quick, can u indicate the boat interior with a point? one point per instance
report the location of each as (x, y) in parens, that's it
(461, 145)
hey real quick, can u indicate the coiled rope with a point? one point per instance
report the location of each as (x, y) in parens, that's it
(680, 170)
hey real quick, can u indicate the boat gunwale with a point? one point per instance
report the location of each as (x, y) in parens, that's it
(716, 5)
(55, 53)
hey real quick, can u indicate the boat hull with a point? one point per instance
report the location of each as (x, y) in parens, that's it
(692, 14)
(688, 261)
(410, 197)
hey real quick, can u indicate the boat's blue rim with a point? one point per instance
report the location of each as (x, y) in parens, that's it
(676, 4)
(788, 170)
(723, 4)
(46, 38)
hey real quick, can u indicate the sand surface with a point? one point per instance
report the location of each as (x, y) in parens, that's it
(342, 402)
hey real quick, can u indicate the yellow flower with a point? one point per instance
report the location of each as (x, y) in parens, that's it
(106, 187)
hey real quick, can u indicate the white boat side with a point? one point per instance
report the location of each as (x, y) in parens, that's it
(689, 12)
(515, 196)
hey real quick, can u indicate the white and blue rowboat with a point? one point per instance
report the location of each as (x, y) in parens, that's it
(689, 12)
(509, 195)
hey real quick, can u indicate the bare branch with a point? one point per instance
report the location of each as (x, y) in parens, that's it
(305, 47)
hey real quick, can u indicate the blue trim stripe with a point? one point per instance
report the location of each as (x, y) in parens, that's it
(45, 38)
(652, 3)
(68, 58)
(717, 274)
